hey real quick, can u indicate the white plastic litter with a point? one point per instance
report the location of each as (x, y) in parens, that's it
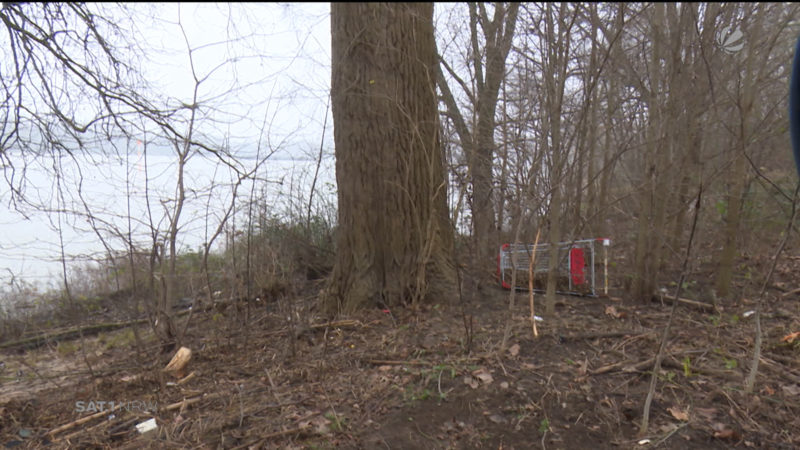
(147, 425)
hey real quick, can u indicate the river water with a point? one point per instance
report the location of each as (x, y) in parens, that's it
(88, 205)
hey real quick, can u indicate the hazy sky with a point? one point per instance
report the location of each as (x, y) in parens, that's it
(264, 62)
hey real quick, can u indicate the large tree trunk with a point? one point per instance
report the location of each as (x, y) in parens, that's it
(394, 238)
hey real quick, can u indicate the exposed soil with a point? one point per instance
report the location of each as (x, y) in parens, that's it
(401, 379)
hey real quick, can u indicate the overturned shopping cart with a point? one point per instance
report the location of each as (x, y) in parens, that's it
(577, 270)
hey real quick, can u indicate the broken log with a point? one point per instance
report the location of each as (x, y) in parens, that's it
(177, 365)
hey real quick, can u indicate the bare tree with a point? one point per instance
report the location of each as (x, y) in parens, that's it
(489, 45)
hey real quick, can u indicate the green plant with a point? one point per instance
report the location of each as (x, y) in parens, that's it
(544, 425)
(722, 208)
(444, 367)
(66, 348)
(124, 338)
(730, 363)
(687, 370)
(337, 421)
(669, 376)
(426, 394)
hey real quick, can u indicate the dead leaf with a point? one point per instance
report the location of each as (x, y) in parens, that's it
(706, 413)
(679, 414)
(470, 381)
(722, 431)
(483, 375)
(385, 368)
(583, 368)
(791, 389)
(725, 434)
(317, 423)
(514, 350)
(668, 428)
(496, 418)
(791, 337)
(768, 390)
(612, 311)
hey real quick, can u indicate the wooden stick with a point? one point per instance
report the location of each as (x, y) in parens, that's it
(793, 291)
(386, 362)
(626, 366)
(694, 303)
(83, 420)
(186, 402)
(605, 268)
(609, 334)
(530, 282)
(270, 436)
(186, 379)
(337, 324)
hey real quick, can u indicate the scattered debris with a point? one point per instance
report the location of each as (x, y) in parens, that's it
(678, 413)
(147, 425)
(791, 337)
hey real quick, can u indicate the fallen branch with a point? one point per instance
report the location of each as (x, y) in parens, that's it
(44, 338)
(625, 366)
(596, 335)
(337, 324)
(388, 362)
(188, 402)
(260, 441)
(318, 326)
(792, 292)
(631, 366)
(83, 420)
(780, 370)
(729, 375)
(186, 379)
(72, 333)
(693, 303)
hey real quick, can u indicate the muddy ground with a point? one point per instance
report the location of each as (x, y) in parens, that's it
(402, 380)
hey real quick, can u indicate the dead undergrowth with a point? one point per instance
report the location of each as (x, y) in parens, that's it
(400, 379)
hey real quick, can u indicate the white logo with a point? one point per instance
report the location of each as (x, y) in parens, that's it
(731, 41)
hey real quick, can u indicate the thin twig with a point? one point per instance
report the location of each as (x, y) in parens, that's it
(530, 283)
(750, 381)
(660, 355)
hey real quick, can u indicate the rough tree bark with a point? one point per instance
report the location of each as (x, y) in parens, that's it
(394, 237)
